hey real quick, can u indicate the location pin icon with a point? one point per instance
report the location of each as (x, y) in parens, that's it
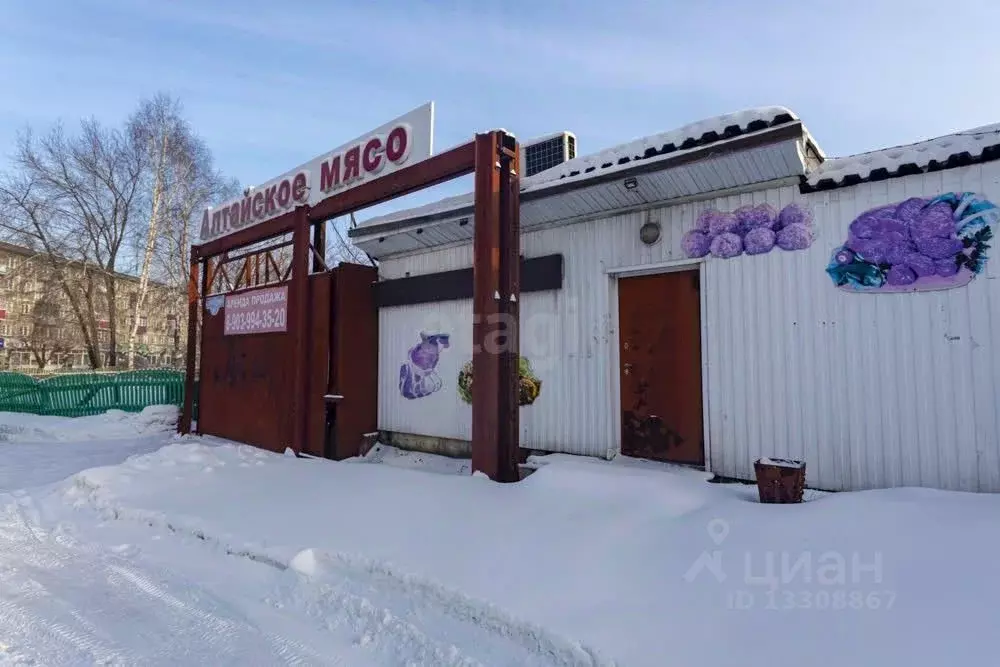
(718, 530)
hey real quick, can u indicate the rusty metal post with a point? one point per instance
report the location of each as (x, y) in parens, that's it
(496, 252)
(509, 243)
(485, 307)
(192, 340)
(298, 315)
(319, 247)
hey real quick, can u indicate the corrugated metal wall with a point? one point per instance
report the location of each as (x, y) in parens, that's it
(569, 335)
(871, 390)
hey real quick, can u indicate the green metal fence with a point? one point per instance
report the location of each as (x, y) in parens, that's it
(90, 393)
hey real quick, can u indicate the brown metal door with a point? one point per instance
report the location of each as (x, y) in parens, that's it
(660, 365)
(247, 384)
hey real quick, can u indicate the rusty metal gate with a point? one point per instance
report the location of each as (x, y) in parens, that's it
(310, 382)
(251, 330)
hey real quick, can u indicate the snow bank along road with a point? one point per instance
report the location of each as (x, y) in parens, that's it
(203, 552)
(81, 584)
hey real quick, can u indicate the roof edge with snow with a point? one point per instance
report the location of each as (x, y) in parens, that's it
(722, 132)
(981, 144)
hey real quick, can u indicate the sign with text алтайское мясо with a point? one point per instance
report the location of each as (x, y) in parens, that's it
(397, 144)
(257, 311)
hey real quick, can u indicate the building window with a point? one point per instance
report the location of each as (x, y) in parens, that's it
(25, 308)
(25, 331)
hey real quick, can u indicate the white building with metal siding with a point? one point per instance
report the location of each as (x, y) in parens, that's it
(871, 390)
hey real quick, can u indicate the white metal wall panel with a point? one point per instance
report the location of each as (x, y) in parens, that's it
(441, 414)
(871, 390)
(569, 335)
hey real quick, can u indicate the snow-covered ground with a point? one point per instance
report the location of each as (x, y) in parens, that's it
(40, 450)
(205, 552)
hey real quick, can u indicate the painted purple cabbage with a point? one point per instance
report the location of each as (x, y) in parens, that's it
(758, 241)
(721, 223)
(704, 221)
(946, 268)
(909, 210)
(876, 226)
(939, 248)
(794, 214)
(870, 250)
(695, 243)
(922, 265)
(901, 275)
(752, 217)
(868, 224)
(796, 236)
(933, 222)
(726, 245)
(898, 248)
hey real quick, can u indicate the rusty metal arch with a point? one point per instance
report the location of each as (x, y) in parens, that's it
(493, 158)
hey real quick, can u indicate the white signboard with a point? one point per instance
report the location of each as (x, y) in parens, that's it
(399, 143)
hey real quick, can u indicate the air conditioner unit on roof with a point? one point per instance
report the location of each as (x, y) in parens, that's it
(546, 152)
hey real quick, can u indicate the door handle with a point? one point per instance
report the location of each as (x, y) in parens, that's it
(628, 369)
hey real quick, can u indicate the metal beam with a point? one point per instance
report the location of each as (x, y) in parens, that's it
(319, 247)
(187, 411)
(437, 169)
(299, 316)
(268, 229)
(509, 244)
(496, 252)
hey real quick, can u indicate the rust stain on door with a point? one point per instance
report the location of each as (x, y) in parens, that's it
(659, 317)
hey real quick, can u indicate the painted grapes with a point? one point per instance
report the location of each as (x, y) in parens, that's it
(914, 245)
(417, 376)
(752, 229)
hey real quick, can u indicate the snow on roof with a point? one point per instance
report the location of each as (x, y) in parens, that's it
(948, 151)
(546, 137)
(688, 137)
(434, 208)
(682, 138)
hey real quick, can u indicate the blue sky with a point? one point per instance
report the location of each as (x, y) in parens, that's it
(271, 85)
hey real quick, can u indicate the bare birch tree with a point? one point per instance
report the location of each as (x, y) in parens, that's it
(175, 158)
(193, 184)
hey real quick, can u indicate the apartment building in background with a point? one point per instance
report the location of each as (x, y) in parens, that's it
(40, 332)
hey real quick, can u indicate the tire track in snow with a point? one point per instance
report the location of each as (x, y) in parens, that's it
(25, 547)
(542, 647)
(69, 603)
(477, 625)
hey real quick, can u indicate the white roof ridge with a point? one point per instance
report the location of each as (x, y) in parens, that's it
(634, 150)
(920, 153)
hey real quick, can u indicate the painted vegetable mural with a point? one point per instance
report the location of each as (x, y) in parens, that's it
(529, 387)
(417, 376)
(914, 245)
(750, 229)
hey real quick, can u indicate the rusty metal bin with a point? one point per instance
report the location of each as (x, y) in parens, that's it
(780, 480)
